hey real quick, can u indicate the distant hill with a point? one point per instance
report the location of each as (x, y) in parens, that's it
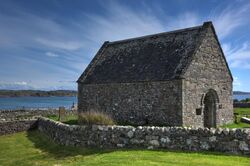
(241, 93)
(36, 93)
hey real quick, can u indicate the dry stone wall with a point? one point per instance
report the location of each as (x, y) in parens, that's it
(10, 127)
(10, 115)
(236, 141)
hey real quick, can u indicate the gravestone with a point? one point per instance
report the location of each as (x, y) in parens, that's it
(62, 114)
(245, 120)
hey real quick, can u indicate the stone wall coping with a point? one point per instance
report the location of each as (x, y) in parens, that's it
(152, 128)
(20, 120)
(12, 115)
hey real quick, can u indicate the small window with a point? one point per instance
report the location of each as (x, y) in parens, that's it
(198, 111)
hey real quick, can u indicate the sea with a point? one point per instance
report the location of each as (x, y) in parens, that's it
(241, 97)
(12, 103)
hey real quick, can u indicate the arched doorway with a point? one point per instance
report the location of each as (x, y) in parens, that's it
(210, 103)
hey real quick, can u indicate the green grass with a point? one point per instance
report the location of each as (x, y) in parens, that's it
(241, 112)
(236, 125)
(73, 119)
(69, 119)
(33, 148)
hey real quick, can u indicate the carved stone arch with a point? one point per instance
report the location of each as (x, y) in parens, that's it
(210, 91)
(202, 100)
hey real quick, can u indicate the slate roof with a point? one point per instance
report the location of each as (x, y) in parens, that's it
(163, 56)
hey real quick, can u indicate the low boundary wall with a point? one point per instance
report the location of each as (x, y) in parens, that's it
(17, 126)
(10, 115)
(241, 105)
(236, 141)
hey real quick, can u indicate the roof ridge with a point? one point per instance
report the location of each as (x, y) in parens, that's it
(110, 69)
(156, 34)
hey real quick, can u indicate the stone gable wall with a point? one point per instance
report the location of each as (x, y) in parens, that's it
(145, 103)
(208, 70)
(236, 141)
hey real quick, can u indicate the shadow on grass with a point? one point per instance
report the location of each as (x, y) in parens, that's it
(71, 122)
(43, 143)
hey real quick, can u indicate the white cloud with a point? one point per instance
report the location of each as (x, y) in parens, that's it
(51, 54)
(30, 30)
(240, 64)
(184, 20)
(19, 85)
(238, 56)
(68, 45)
(77, 40)
(120, 22)
(237, 82)
(229, 19)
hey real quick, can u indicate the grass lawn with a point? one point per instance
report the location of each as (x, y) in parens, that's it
(33, 148)
(241, 112)
(69, 119)
(72, 119)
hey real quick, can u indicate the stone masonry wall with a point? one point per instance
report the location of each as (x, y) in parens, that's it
(236, 141)
(145, 103)
(208, 70)
(10, 127)
(9, 115)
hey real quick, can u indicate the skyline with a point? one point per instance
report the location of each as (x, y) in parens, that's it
(47, 44)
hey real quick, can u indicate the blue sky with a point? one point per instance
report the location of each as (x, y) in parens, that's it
(47, 44)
